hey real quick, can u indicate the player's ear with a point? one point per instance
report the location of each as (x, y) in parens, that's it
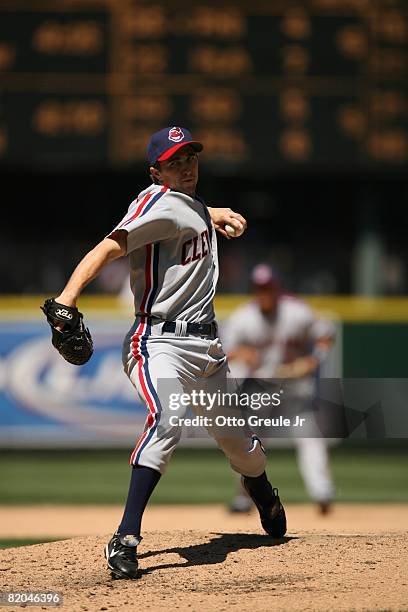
(155, 175)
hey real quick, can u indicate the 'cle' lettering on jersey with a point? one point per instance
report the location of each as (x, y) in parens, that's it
(195, 248)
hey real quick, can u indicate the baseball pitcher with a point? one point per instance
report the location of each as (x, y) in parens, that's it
(170, 237)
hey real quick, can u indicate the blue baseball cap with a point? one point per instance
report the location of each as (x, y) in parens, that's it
(166, 142)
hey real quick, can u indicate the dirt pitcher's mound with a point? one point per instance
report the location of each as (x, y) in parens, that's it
(195, 570)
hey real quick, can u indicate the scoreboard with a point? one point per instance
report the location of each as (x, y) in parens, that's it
(265, 84)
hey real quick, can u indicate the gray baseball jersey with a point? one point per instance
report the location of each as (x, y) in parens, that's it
(172, 251)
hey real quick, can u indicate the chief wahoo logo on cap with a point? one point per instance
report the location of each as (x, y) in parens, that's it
(175, 134)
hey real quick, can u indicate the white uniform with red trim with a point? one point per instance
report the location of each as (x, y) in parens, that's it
(290, 334)
(172, 250)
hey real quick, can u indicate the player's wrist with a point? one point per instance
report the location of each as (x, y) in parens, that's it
(313, 360)
(319, 353)
(67, 299)
(309, 363)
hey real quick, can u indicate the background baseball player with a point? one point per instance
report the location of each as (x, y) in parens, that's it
(169, 236)
(278, 336)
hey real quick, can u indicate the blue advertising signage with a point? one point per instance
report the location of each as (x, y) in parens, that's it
(45, 401)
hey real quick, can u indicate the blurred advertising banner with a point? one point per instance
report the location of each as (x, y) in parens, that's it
(47, 402)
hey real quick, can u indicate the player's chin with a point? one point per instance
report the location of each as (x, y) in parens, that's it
(189, 185)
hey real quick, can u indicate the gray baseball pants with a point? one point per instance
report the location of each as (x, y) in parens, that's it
(189, 362)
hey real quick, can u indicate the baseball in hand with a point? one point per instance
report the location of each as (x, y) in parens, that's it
(234, 233)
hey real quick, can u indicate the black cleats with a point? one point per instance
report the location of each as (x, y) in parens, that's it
(121, 555)
(272, 514)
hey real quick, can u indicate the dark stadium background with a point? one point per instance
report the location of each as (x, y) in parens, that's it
(308, 224)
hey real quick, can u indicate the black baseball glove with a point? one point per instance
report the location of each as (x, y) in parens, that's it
(74, 342)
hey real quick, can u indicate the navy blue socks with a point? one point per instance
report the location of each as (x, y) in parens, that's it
(142, 483)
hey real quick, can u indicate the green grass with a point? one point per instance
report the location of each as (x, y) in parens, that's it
(365, 474)
(13, 543)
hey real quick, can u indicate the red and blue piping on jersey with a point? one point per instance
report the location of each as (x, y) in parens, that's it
(145, 205)
(151, 277)
(152, 252)
(140, 352)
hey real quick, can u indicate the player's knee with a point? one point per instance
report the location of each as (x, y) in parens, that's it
(157, 463)
(247, 460)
